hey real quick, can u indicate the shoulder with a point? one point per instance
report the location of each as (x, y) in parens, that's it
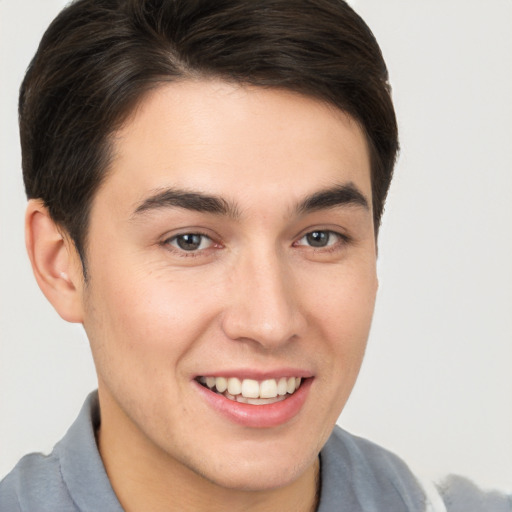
(35, 483)
(364, 476)
(71, 478)
(367, 476)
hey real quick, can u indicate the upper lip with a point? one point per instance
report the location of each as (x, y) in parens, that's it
(251, 373)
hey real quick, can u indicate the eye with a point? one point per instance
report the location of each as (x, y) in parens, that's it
(320, 238)
(190, 242)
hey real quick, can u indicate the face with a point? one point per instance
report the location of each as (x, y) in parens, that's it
(232, 244)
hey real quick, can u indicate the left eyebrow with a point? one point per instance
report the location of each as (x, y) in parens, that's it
(340, 195)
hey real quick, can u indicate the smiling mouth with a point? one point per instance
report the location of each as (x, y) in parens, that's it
(250, 391)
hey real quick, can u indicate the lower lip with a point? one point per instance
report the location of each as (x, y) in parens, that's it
(258, 416)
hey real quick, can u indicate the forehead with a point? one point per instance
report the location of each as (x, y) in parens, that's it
(219, 137)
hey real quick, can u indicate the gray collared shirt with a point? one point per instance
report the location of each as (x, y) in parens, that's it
(356, 476)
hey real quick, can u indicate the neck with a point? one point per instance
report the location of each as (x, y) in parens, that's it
(144, 478)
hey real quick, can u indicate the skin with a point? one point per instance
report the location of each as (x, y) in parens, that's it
(255, 296)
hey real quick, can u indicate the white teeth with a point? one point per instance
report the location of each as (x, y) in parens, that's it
(268, 388)
(234, 386)
(252, 391)
(290, 385)
(281, 386)
(250, 388)
(264, 401)
(221, 384)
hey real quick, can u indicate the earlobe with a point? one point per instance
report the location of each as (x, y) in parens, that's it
(55, 262)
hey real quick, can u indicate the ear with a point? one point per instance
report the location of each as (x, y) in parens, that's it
(55, 262)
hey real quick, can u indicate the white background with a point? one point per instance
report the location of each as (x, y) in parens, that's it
(436, 386)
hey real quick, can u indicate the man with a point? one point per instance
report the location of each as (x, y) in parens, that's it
(206, 181)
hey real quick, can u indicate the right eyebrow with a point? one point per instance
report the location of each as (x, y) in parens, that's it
(196, 201)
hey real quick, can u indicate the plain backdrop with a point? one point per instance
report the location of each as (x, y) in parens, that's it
(436, 386)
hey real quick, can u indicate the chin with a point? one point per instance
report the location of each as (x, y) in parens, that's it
(257, 470)
(257, 478)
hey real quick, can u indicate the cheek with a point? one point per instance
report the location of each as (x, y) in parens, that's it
(142, 325)
(346, 300)
(344, 315)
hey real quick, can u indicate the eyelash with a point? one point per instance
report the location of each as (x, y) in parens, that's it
(341, 241)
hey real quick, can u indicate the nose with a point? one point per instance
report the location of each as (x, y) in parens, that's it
(264, 306)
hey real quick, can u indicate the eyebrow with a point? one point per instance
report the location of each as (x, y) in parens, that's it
(339, 195)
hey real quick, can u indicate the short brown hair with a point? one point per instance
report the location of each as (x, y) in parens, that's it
(99, 57)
